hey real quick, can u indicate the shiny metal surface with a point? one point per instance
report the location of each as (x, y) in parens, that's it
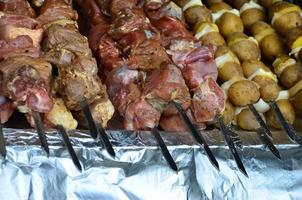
(139, 170)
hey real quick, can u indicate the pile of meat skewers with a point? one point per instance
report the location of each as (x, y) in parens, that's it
(143, 75)
(47, 66)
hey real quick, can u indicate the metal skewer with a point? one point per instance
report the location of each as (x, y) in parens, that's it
(70, 149)
(164, 149)
(40, 131)
(288, 128)
(2, 140)
(96, 130)
(199, 138)
(230, 143)
(264, 133)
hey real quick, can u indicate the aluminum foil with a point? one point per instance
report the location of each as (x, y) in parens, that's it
(139, 171)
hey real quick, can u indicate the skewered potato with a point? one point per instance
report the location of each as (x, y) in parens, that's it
(211, 2)
(246, 48)
(247, 121)
(243, 93)
(293, 39)
(269, 41)
(195, 11)
(228, 113)
(228, 64)
(261, 74)
(208, 33)
(284, 16)
(287, 70)
(250, 13)
(227, 19)
(239, 3)
(287, 111)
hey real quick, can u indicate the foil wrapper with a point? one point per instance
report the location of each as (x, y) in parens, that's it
(139, 171)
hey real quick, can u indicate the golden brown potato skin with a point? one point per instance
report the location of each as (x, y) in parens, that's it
(291, 75)
(272, 46)
(229, 70)
(229, 23)
(258, 27)
(213, 38)
(251, 66)
(220, 6)
(243, 93)
(228, 113)
(267, 3)
(297, 102)
(250, 16)
(244, 49)
(197, 14)
(212, 2)
(247, 121)
(286, 109)
(287, 21)
(238, 3)
(269, 88)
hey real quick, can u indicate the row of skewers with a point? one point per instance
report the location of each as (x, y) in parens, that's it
(152, 70)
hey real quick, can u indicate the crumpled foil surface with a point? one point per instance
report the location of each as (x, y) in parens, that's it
(139, 171)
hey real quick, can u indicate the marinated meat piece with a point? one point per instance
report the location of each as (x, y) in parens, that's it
(26, 81)
(95, 35)
(141, 115)
(109, 55)
(163, 86)
(57, 11)
(197, 64)
(6, 109)
(123, 87)
(172, 29)
(95, 15)
(21, 45)
(144, 51)
(59, 115)
(78, 80)
(208, 101)
(176, 124)
(61, 44)
(127, 21)
(117, 6)
(19, 7)
(170, 9)
(9, 32)
(17, 21)
(153, 4)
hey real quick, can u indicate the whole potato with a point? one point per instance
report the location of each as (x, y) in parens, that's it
(269, 88)
(247, 121)
(197, 14)
(251, 66)
(291, 75)
(229, 70)
(288, 20)
(213, 38)
(181, 3)
(229, 23)
(272, 47)
(286, 109)
(244, 47)
(243, 93)
(252, 15)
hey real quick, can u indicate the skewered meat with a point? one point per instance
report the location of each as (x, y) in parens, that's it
(69, 51)
(26, 81)
(19, 7)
